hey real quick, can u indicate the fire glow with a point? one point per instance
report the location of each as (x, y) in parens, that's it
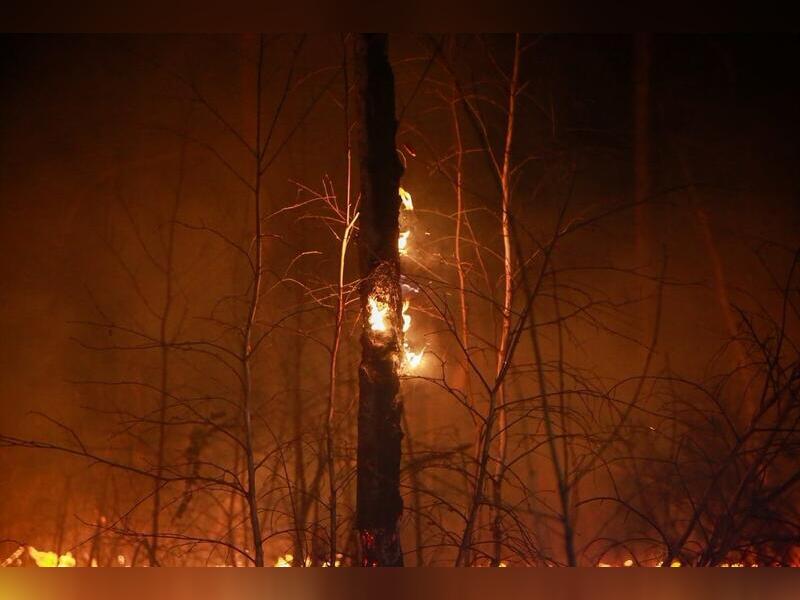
(287, 560)
(402, 242)
(407, 205)
(411, 359)
(51, 559)
(378, 316)
(407, 202)
(378, 312)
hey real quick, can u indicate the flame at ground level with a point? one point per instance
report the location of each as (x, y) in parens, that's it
(51, 559)
(287, 560)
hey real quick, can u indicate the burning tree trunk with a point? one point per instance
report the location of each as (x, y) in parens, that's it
(379, 505)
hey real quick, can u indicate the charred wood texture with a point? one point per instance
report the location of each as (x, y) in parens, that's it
(379, 504)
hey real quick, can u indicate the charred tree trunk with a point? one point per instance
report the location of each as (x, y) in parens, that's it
(378, 502)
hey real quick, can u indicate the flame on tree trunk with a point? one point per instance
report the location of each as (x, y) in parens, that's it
(379, 504)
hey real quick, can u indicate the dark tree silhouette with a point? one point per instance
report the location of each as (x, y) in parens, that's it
(379, 504)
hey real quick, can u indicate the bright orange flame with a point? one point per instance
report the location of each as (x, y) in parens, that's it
(412, 359)
(284, 561)
(51, 559)
(402, 242)
(405, 197)
(676, 564)
(336, 563)
(287, 559)
(377, 314)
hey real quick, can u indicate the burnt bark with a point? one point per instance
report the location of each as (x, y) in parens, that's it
(379, 504)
